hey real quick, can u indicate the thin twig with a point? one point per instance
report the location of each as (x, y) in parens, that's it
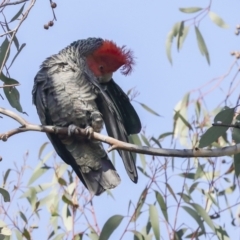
(10, 85)
(13, 3)
(54, 16)
(6, 33)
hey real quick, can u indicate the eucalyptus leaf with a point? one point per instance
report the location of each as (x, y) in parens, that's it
(190, 9)
(5, 194)
(201, 44)
(108, 228)
(217, 20)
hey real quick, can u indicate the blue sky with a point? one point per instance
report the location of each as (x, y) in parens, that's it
(143, 27)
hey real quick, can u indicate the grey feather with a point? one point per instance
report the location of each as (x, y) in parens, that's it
(66, 92)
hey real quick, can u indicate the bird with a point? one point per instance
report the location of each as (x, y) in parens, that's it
(75, 89)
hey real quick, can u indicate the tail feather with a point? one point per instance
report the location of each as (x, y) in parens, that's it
(97, 181)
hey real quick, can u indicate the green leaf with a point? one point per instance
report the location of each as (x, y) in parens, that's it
(5, 233)
(171, 191)
(136, 140)
(137, 235)
(149, 109)
(36, 174)
(41, 149)
(39, 188)
(175, 29)
(26, 234)
(67, 218)
(221, 233)
(162, 204)
(190, 9)
(93, 236)
(5, 194)
(183, 36)
(129, 91)
(15, 40)
(180, 33)
(198, 108)
(59, 236)
(62, 181)
(201, 44)
(187, 175)
(143, 172)
(225, 116)
(186, 198)
(237, 164)
(211, 135)
(111, 224)
(200, 171)
(153, 215)
(140, 203)
(156, 141)
(217, 20)
(18, 13)
(23, 217)
(201, 211)
(195, 216)
(18, 234)
(173, 33)
(78, 236)
(168, 44)
(8, 80)
(109, 193)
(193, 187)
(18, 52)
(145, 140)
(13, 97)
(228, 190)
(165, 135)
(6, 176)
(39, 171)
(181, 232)
(3, 50)
(67, 199)
(179, 115)
(236, 135)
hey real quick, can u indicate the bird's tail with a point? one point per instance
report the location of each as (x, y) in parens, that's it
(93, 167)
(97, 181)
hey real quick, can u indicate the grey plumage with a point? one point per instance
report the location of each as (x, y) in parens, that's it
(66, 92)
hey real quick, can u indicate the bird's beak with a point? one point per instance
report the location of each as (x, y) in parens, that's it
(105, 78)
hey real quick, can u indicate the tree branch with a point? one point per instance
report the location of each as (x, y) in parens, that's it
(114, 143)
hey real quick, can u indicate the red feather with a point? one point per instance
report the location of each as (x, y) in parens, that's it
(109, 57)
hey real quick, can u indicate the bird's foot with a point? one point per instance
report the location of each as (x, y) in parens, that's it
(89, 132)
(72, 129)
(97, 121)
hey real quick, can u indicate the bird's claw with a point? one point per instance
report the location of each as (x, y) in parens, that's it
(72, 129)
(97, 121)
(89, 132)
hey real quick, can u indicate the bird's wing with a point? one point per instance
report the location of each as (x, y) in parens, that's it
(112, 111)
(124, 107)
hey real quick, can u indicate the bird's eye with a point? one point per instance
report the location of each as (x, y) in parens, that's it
(101, 68)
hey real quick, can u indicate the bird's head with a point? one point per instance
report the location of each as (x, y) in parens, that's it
(108, 58)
